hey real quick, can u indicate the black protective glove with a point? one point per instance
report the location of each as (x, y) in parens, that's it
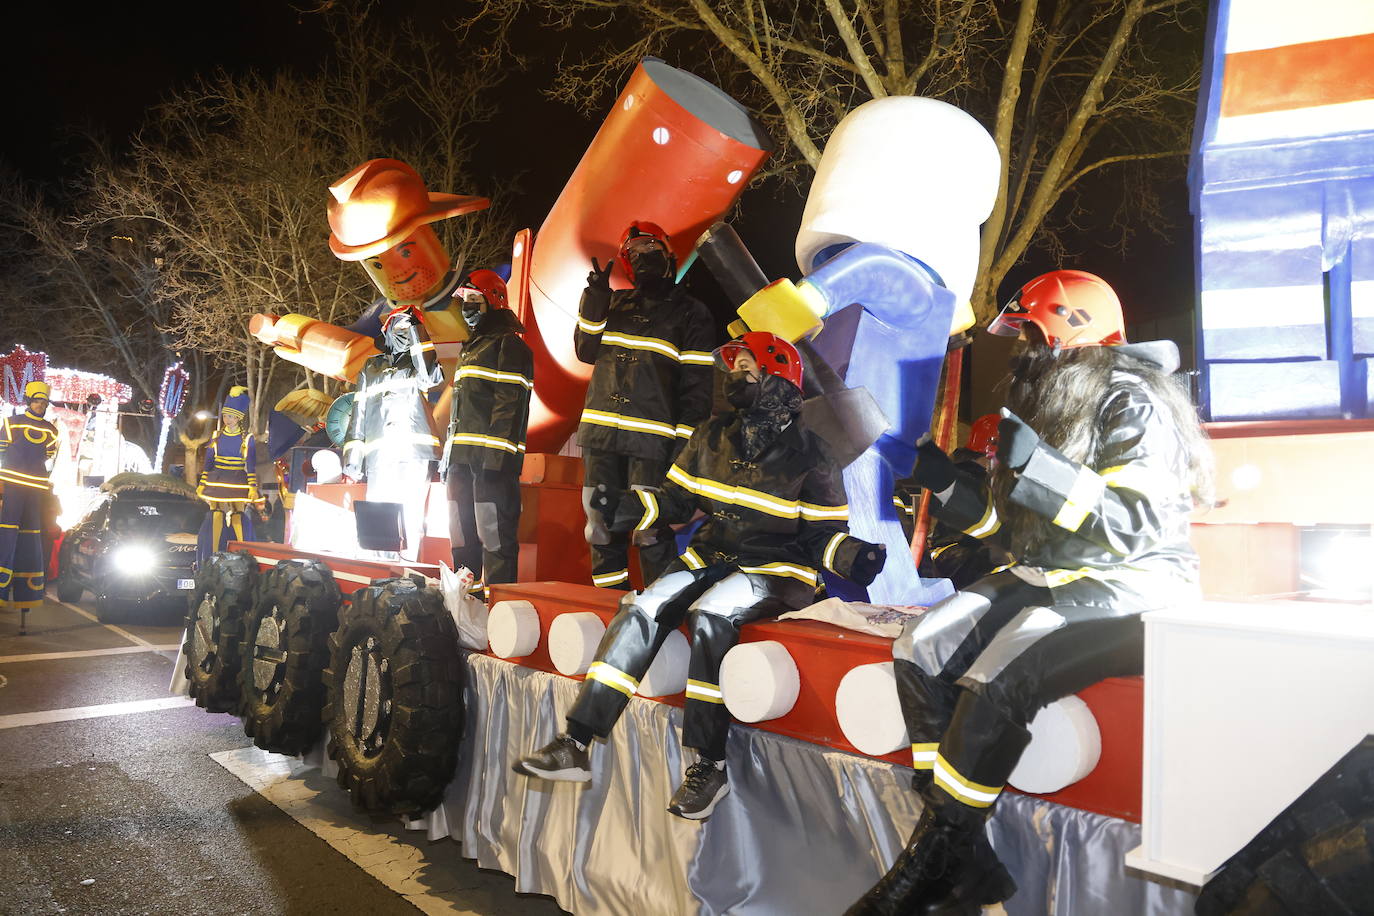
(1016, 441)
(867, 563)
(600, 277)
(933, 470)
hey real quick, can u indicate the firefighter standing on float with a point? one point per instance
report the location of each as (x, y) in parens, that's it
(228, 479)
(380, 214)
(28, 445)
(1095, 486)
(490, 411)
(775, 513)
(650, 388)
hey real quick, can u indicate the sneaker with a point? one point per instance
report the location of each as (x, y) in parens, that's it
(702, 789)
(562, 759)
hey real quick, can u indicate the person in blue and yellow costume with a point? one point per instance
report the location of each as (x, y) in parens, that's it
(228, 479)
(28, 444)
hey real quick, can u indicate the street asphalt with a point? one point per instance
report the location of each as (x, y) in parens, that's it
(125, 812)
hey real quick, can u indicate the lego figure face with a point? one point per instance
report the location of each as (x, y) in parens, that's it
(410, 271)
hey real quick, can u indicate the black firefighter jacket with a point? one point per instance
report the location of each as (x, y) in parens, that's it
(782, 514)
(1120, 520)
(491, 396)
(390, 419)
(652, 381)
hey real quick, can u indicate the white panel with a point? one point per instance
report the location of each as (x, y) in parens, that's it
(1256, 24)
(1266, 307)
(1317, 121)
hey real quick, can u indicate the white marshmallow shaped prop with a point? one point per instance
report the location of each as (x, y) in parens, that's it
(667, 674)
(759, 681)
(573, 639)
(868, 710)
(513, 629)
(1065, 745)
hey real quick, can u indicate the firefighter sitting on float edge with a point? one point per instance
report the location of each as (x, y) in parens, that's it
(776, 512)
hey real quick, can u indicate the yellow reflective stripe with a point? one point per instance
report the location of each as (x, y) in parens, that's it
(814, 513)
(1083, 496)
(491, 375)
(25, 483)
(684, 432)
(739, 496)
(828, 559)
(964, 790)
(1137, 478)
(707, 693)
(29, 531)
(612, 677)
(10, 526)
(504, 445)
(610, 578)
(223, 485)
(695, 358)
(650, 510)
(652, 344)
(987, 524)
(632, 424)
(590, 327)
(692, 559)
(923, 755)
(802, 573)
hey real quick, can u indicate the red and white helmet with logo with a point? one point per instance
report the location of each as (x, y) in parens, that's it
(1072, 308)
(490, 285)
(644, 230)
(773, 354)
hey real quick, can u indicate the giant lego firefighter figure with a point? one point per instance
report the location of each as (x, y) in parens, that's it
(650, 388)
(1099, 460)
(380, 214)
(228, 479)
(490, 412)
(775, 513)
(28, 446)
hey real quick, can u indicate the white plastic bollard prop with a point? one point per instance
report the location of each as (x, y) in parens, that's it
(1064, 747)
(667, 673)
(759, 681)
(513, 629)
(573, 639)
(868, 710)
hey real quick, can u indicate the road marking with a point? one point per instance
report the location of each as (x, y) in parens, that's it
(109, 626)
(46, 717)
(85, 653)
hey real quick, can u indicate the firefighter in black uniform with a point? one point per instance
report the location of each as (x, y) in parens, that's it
(228, 479)
(28, 445)
(776, 513)
(486, 436)
(1095, 487)
(651, 346)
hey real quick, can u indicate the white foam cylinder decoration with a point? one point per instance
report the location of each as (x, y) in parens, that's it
(513, 629)
(759, 681)
(573, 639)
(869, 712)
(667, 674)
(1065, 745)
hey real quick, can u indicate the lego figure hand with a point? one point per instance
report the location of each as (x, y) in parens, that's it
(600, 277)
(933, 470)
(1016, 441)
(867, 563)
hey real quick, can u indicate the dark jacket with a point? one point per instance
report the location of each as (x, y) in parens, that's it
(784, 513)
(27, 444)
(491, 395)
(1123, 516)
(652, 381)
(390, 411)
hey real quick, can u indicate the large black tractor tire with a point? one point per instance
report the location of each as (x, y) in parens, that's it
(395, 710)
(285, 651)
(214, 629)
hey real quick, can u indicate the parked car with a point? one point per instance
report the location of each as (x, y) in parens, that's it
(135, 546)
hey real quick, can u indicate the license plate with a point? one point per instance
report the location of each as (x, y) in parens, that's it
(186, 583)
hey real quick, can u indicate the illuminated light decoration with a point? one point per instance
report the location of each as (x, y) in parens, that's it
(72, 386)
(19, 367)
(170, 400)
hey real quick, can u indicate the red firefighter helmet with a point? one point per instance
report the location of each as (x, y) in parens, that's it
(490, 285)
(1072, 308)
(773, 354)
(380, 203)
(982, 435)
(642, 229)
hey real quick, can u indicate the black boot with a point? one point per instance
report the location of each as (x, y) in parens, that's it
(924, 872)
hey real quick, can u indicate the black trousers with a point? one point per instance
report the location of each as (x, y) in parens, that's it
(485, 521)
(715, 602)
(976, 668)
(617, 477)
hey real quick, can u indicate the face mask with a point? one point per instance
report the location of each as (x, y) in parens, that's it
(472, 313)
(740, 392)
(648, 266)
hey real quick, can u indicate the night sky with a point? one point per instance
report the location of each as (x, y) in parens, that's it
(105, 67)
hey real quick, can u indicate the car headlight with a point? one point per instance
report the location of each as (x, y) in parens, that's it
(134, 559)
